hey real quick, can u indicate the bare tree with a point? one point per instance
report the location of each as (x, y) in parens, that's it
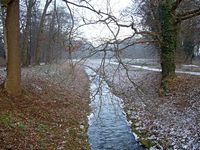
(3, 14)
(37, 53)
(26, 33)
(163, 19)
(49, 49)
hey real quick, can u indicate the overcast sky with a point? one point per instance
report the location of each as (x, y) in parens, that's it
(99, 31)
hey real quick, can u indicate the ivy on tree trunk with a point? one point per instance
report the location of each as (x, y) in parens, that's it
(168, 44)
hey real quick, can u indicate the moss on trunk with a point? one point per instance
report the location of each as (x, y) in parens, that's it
(168, 44)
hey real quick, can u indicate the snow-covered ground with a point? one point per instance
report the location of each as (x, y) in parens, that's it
(144, 64)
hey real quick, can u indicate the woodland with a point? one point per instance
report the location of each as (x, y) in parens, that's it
(149, 57)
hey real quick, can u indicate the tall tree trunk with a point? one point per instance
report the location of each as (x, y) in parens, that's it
(42, 20)
(168, 44)
(26, 37)
(13, 79)
(49, 49)
(4, 32)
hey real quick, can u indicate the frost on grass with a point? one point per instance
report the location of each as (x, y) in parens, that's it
(51, 113)
(170, 122)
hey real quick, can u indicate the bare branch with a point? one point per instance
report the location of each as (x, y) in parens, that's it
(176, 4)
(188, 15)
(83, 6)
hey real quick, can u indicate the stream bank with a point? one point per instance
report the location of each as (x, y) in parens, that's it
(161, 120)
(52, 112)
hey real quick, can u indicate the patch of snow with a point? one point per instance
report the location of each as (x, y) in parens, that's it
(159, 70)
(195, 66)
(188, 72)
(136, 136)
(37, 87)
(90, 118)
(42, 64)
(146, 68)
(3, 69)
(130, 122)
(82, 127)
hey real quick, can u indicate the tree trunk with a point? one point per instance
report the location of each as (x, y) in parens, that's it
(42, 20)
(4, 32)
(26, 37)
(49, 49)
(168, 44)
(13, 79)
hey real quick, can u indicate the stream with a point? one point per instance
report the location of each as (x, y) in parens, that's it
(108, 126)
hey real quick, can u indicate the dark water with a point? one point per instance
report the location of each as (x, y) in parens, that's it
(109, 129)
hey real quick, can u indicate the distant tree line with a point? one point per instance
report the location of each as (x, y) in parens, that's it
(44, 32)
(30, 34)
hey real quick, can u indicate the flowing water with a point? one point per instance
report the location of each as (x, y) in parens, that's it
(108, 126)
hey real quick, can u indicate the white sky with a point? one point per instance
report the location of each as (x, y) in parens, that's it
(99, 31)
